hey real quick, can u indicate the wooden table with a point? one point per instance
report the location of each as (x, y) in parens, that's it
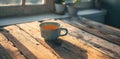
(86, 40)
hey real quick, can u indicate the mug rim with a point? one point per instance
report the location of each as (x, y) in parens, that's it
(42, 24)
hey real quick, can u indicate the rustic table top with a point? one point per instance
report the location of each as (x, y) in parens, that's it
(85, 40)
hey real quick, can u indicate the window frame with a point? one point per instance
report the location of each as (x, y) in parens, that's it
(24, 10)
(23, 3)
(42, 3)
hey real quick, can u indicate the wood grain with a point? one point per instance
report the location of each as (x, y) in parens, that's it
(57, 49)
(87, 39)
(103, 31)
(77, 44)
(27, 44)
(11, 51)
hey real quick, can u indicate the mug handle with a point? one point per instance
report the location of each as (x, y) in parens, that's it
(63, 29)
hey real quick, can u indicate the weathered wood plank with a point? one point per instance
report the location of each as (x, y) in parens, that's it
(56, 48)
(96, 42)
(33, 29)
(101, 27)
(77, 44)
(4, 54)
(90, 51)
(106, 32)
(13, 52)
(27, 44)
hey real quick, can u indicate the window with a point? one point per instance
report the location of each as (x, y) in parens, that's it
(19, 2)
(71, 1)
(25, 7)
(34, 2)
(10, 2)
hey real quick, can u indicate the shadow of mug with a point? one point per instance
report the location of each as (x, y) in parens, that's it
(50, 31)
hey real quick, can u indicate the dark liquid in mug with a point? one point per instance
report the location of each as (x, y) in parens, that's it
(50, 27)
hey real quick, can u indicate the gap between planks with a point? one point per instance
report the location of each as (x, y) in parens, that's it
(36, 35)
(103, 31)
(96, 42)
(35, 32)
(12, 51)
(27, 44)
(34, 26)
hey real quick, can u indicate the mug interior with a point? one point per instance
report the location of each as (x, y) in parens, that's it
(49, 23)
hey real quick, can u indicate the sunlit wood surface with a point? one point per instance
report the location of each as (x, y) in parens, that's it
(85, 40)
